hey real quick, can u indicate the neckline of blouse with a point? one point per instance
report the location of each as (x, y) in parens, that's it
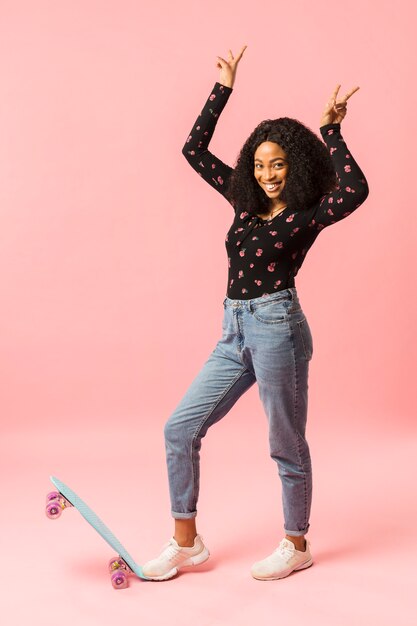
(268, 220)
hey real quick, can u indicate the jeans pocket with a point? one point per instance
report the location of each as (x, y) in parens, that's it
(271, 312)
(306, 338)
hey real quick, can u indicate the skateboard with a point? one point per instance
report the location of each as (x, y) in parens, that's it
(120, 567)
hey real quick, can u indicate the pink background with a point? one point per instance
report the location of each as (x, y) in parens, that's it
(113, 271)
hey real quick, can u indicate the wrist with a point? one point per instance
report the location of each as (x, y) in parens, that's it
(226, 83)
(329, 124)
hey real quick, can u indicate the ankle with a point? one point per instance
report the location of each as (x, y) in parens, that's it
(185, 532)
(185, 541)
(299, 542)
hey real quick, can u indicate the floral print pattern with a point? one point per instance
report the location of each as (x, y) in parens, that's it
(270, 260)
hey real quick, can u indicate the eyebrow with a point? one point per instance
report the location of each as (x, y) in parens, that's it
(276, 159)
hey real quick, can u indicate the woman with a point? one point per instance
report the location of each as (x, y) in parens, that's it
(286, 187)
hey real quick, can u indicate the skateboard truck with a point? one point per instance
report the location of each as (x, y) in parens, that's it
(55, 504)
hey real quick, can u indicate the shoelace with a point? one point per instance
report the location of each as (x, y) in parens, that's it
(285, 550)
(171, 551)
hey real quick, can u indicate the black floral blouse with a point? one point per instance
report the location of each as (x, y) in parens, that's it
(264, 256)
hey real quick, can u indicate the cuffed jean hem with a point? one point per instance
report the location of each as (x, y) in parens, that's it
(183, 515)
(297, 533)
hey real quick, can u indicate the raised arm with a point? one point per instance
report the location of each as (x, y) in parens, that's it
(195, 149)
(352, 188)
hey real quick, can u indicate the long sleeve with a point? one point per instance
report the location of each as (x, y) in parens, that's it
(206, 164)
(352, 188)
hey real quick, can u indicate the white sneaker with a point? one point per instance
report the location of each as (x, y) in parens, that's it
(284, 560)
(173, 557)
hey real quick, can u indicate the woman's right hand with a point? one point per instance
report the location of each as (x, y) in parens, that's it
(228, 68)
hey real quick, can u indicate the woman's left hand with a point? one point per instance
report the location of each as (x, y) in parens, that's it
(335, 110)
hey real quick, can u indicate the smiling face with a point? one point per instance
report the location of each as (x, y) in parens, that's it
(271, 169)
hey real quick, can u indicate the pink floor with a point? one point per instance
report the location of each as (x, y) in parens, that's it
(362, 530)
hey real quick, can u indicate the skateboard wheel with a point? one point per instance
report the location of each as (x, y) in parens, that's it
(119, 579)
(53, 509)
(52, 495)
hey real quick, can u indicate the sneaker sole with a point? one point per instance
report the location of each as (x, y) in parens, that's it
(198, 559)
(285, 574)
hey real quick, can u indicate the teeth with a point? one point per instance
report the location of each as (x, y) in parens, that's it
(271, 187)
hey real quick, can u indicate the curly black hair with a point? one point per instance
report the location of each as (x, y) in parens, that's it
(311, 173)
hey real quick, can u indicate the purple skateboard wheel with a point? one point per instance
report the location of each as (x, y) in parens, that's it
(119, 579)
(53, 509)
(52, 495)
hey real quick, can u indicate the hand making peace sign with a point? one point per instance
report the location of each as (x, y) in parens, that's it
(228, 68)
(335, 111)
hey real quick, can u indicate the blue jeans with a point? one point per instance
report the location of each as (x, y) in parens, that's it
(267, 340)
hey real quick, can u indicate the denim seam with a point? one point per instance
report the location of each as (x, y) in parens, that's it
(297, 433)
(305, 347)
(271, 322)
(305, 480)
(203, 421)
(177, 515)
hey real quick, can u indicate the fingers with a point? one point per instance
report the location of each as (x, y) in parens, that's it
(239, 56)
(332, 100)
(350, 93)
(231, 58)
(339, 107)
(347, 96)
(334, 95)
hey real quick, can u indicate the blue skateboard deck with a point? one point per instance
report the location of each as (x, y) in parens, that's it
(120, 567)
